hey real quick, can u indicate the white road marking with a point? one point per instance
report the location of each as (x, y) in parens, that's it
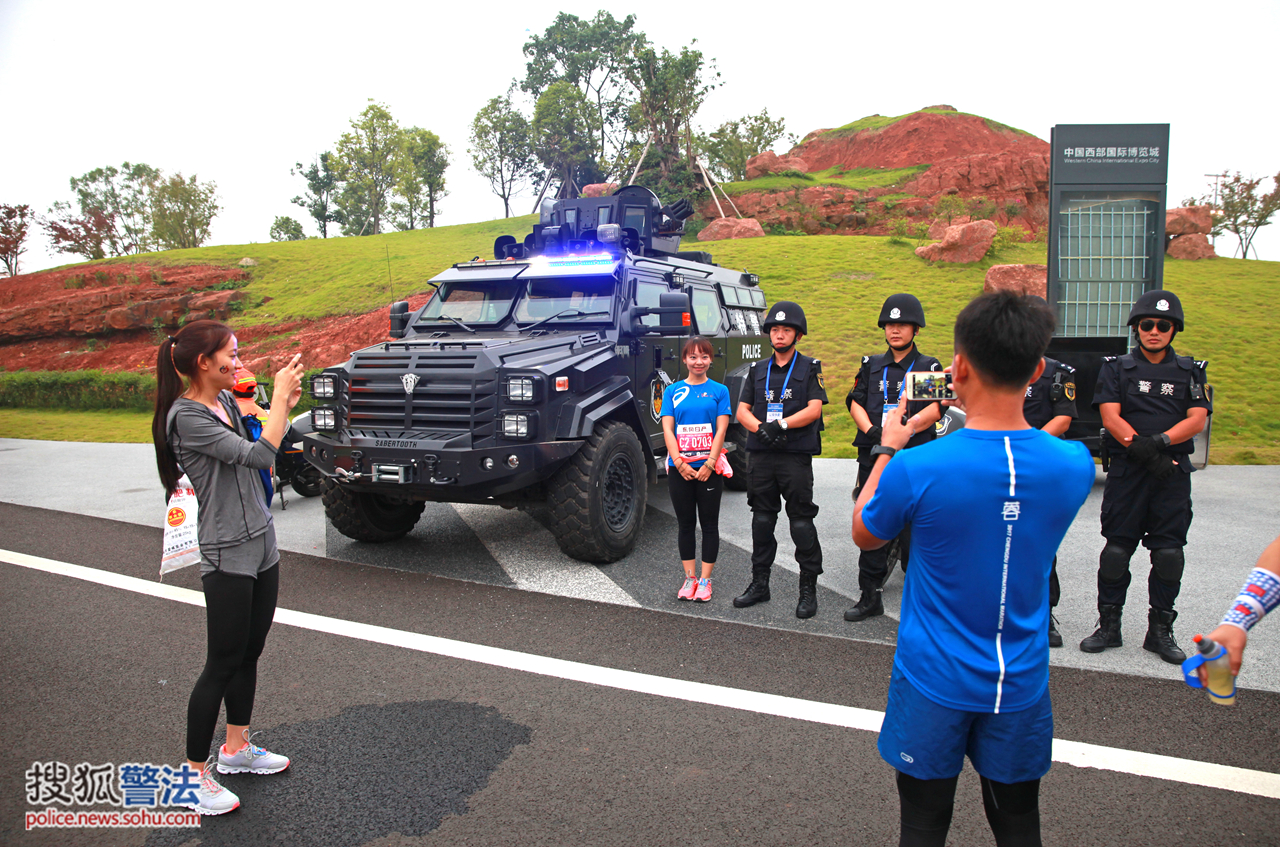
(531, 558)
(1078, 754)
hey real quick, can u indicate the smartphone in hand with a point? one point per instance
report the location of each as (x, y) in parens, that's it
(928, 386)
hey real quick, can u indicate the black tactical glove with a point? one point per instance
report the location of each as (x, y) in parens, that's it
(771, 433)
(1161, 467)
(875, 433)
(1143, 449)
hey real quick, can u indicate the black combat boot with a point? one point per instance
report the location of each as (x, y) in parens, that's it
(1160, 636)
(1108, 632)
(869, 605)
(757, 592)
(1055, 637)
(808, 605)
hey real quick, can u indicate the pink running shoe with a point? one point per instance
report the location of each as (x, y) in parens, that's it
(686, 590)
(704, 590)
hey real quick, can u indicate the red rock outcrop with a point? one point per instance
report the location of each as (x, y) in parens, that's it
(1194, 245)
(920, 138)
(1011, 177)
(1186, 220)
(1023, 279)
(769, 162)
(726, 228)
(962, 244)
(599, 189)
(105, 299)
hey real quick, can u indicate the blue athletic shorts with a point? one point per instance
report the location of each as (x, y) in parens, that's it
(928, 741)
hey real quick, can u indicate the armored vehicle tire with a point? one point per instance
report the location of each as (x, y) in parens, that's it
(308, 481)
(598, 498)
(737, 460)
(368, 517)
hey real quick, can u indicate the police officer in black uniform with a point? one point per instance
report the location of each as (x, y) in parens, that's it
(874, 395)
(781, 406)
(1153, 403)
(1051, 406)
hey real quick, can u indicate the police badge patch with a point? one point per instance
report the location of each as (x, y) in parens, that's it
(823, 385)
(1069, 388)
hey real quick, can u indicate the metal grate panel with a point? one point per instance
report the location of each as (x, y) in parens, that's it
(1106, 260)
(450, 405)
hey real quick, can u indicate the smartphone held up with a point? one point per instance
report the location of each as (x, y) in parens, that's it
(929, 386)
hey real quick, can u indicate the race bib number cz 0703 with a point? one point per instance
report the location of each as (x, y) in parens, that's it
(694, 440)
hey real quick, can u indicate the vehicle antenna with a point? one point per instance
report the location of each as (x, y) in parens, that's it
(390, 293)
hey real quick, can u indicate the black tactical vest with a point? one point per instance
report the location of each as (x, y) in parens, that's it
(1043, 393)
(876, 368)
(803, 439)
(1155, 397)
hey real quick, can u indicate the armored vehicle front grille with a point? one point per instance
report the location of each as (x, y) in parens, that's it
(437, 406)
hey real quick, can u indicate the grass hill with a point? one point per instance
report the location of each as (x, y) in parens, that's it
(841, 282)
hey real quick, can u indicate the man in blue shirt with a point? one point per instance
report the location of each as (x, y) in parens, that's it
(988, 507)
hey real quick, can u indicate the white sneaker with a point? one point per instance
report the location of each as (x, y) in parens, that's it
(213, 798)
(250, 759)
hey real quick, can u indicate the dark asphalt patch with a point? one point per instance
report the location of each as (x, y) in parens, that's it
(440, 544)
(366, 773)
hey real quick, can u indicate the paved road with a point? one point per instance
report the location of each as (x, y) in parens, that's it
(1237, 513)
(409, 727)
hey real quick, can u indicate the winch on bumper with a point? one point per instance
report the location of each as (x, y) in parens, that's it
(423, 469)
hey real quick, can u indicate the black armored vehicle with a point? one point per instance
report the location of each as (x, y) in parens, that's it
(534, 379)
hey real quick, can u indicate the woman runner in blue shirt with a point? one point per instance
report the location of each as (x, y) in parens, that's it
(695, 419)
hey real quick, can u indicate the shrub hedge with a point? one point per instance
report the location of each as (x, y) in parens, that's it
(77, 390)
(91, 389)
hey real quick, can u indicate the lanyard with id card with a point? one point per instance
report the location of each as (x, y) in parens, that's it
(884, 383)
(773, 411)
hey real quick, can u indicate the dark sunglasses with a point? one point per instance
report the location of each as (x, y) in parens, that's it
(1148, 325)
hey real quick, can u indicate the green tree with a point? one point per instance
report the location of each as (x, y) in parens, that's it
(1242, 210)
(670, 89)
(591, 56)
(501, 149)
(15, 221)
(369, 161)
(126, 194)
(950, 206)
(322, 187)
(729, 146)
(286, 229)
(421, 182)
(182, 210)
(564, 132)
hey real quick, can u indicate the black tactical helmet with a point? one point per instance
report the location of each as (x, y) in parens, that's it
(902, 309)
(786, 313)
(1157, 304)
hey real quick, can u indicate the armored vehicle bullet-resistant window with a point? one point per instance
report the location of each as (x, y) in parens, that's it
(484, 302)
(650, 294)
(574, 299)
(706, 311)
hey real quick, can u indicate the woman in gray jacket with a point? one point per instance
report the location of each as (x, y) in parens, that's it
(197, 428)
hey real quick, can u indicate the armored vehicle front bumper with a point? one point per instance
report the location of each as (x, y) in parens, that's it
(422, 468)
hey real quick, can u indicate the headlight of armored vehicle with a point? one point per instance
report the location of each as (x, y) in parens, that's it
(517, 425)
(325, 419)
(521, 389)
(324, 386)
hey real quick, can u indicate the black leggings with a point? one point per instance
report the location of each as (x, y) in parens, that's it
(239, 610)
(697, 502)
(1013, 810)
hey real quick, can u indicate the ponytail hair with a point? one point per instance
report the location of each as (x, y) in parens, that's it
(176, 358)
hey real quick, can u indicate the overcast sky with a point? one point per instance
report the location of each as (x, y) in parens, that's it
(237, 92)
